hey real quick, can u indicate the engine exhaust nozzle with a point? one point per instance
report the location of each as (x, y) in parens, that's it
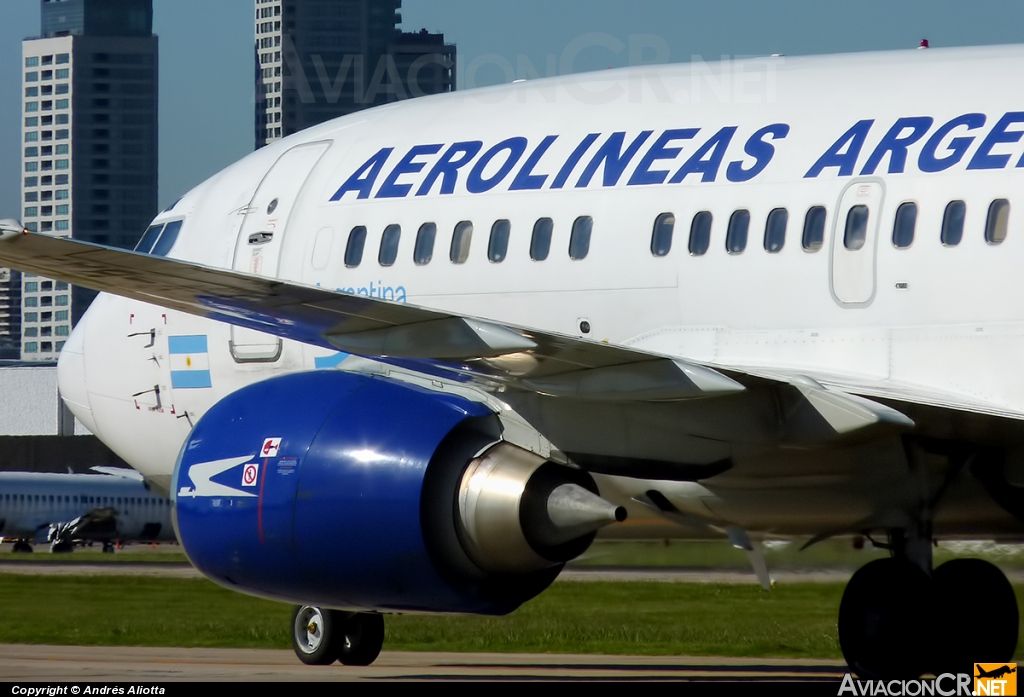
(519, 513)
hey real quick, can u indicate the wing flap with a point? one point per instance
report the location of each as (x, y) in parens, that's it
(654, 380)
(449, 338)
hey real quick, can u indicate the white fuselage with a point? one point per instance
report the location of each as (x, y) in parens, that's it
(937, 321)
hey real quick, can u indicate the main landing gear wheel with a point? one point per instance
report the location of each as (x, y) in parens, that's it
(316, 635)
(321, 637)
(22, 546)
(363, 639)
(975, 616)
(883, 620)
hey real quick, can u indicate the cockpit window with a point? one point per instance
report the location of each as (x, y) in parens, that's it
(145, 245)
(167, 238)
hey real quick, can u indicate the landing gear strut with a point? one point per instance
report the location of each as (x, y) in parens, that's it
(897, 621)
(320, 636)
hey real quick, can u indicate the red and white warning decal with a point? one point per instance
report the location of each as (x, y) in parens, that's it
(250, 474)
(270, 447)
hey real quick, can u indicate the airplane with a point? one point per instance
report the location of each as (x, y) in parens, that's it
(995, 673)
(113, 505)
(410, 360)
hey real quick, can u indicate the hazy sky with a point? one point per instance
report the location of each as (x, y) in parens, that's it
(206, 91)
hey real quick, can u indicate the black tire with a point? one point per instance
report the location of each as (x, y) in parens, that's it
(319, 646)
(883, 621)
(363, 639)
(22, 547)
(975, 617)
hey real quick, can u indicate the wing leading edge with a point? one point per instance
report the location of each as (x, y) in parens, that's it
(465, 348)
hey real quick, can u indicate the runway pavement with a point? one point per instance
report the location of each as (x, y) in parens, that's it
(128, 568)
(577, 574)
(661, 575)
(23, 663)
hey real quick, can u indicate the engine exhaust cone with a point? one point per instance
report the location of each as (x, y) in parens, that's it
(575, 512)
(518, 513)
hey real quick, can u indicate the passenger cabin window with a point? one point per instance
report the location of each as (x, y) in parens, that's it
(579, 241)
(736, 236)
(904, 226)
(856, 228)
(423, 252)
(354, 248)
(661, 238)
(775, 230)
(497, 247)
(953, 223)
(389, 245)
(998, 221)
(814, 229)
(700, 234)
(461, 239)
(540, 243)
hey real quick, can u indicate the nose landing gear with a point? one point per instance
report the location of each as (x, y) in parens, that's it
(321, 636)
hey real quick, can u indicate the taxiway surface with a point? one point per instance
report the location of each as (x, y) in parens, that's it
(94, 664)
(596, 574)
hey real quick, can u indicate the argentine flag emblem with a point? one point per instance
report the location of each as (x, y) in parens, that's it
(190, 362)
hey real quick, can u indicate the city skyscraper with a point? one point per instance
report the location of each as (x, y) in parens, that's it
(10, 314)
(90, 145)
(320, 59)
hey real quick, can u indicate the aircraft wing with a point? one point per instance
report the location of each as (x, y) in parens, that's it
(461, 348)
(426, 339)
(119, 472)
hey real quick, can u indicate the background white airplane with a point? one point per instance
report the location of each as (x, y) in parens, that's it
(114, 505)
(770, 297)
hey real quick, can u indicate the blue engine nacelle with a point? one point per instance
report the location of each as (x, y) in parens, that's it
(355, 492)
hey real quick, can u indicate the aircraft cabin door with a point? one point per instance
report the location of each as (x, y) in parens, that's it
(855, 243)
(261, 237)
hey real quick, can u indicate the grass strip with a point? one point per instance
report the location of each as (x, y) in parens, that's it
(793, 621)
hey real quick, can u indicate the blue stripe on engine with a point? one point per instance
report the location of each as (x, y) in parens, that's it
(187, 344)
(330, 361)
(190, 379)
